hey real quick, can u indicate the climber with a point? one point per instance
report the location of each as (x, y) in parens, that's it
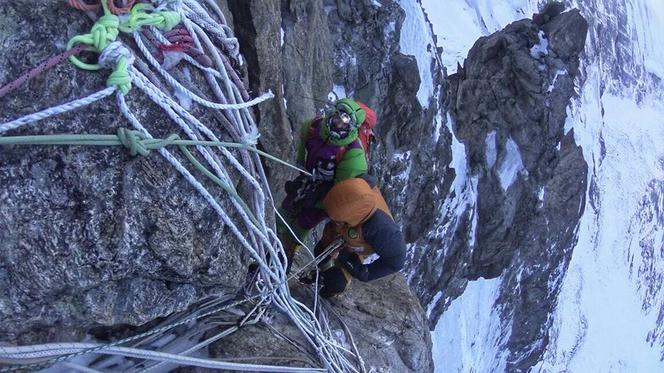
(360, 216)
(331, 150)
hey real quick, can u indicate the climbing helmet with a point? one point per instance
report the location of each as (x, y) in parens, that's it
(347, 116)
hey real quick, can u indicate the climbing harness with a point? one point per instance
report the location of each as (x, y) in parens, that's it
(194, 32)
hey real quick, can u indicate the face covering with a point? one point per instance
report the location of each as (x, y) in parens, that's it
(339, 125)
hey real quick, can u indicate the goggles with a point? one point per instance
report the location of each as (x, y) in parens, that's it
(345, 118)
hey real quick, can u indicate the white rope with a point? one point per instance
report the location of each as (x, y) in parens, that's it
(59, 349)
(111, 54)
(215, 7)
(193, 181)
(69, 106)
(167, 104)
(175, 84)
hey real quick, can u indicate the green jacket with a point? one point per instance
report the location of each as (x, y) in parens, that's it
(316, 144)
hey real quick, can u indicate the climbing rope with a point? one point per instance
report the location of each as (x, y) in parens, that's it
(135, 141)
(49, 63)
(70, 106)
(209, 46)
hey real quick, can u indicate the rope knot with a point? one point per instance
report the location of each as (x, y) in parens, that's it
(251, 138)
(138, 17)
(104, 31)
(111, 55)
(133, 140)
(170, 20)
(119, 57)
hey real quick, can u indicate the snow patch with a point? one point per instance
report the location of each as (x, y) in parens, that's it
(555, 78)
(469, 335)
(433, 303)
(338, 91)
(459, 162)
(416, 40)
(283, 95)
(459, 23)
(282, 36)
(403, 158)
(606, 316)
(490, 148)
(540, 49)
(510, 166)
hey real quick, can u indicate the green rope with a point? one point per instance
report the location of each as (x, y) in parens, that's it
(135, 141)
(103, 32)
(138, 144)
(120, 76)
(138, 17)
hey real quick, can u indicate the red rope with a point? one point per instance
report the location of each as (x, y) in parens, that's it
(49, 63)
(181, 41)
(82, 5)
(112, 5)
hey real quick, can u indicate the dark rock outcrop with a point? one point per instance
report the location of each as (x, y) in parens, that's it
(526, 177)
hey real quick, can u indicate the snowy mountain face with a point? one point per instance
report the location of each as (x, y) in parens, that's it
(528, 184)
(602, 306)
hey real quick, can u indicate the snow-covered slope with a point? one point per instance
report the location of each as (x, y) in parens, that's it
(609, 314)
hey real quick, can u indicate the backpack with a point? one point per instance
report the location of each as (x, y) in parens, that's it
(365, 132)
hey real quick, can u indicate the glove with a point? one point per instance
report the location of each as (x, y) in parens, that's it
(334, 282)
(352, 264)
(309, 278)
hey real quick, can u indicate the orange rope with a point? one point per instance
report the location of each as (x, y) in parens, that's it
(117, 10)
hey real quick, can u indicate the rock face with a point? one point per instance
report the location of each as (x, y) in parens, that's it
(92, 235)
(96, 242)
(389, 330)
(525, 183)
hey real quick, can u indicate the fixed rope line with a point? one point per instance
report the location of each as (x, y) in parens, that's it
(183, 117)
(170, 106)
(135, 141)
(56, 349)
(47, 64)
(202, 101)
(226, 220)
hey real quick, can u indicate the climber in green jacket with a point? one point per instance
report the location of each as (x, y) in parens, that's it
(331, 151)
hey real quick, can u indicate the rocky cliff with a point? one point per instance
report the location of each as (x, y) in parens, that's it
(480, 174)
(503, 195)
(500, 196)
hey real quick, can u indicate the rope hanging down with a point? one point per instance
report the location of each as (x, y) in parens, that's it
(204, 22)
